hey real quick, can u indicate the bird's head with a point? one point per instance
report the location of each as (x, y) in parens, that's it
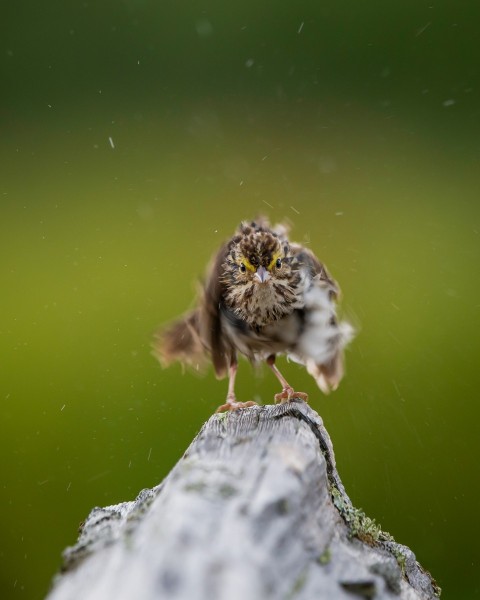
(258, 256)
(259, 273)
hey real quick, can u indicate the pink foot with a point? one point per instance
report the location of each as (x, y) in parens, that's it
(288, 394)
(232, 404)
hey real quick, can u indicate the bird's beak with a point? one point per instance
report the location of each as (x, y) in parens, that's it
(262, 274)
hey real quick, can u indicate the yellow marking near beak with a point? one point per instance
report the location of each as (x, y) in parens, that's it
(274, 260)
(248, 264)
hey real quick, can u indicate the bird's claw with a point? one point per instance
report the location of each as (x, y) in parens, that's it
(234, 405)
(288, 394)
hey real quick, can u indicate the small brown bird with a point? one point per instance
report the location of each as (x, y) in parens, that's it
(263, 296)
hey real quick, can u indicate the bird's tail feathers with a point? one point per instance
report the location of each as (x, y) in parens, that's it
(180, 342)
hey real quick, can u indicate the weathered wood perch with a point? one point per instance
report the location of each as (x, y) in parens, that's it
(255, 509)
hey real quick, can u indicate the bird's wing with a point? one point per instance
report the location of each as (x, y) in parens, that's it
(222, 353)
(180, 341)
(318, 271)
(324, 338)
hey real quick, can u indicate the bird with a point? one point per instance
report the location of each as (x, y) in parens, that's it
(262, 296)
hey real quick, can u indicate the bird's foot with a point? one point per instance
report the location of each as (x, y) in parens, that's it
(289, 394)
(232, 404)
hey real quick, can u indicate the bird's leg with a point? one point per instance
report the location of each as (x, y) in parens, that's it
(232, 403)
(288, 392)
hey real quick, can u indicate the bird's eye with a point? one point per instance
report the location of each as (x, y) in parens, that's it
(243, 268)
(278, 263)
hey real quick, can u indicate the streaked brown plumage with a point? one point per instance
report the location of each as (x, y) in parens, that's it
(263, 296)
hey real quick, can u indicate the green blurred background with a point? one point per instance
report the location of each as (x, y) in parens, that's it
(135, 135)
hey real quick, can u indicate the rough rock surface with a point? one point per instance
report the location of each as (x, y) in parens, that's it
(255, 509)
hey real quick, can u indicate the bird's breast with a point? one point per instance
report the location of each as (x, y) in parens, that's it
(262, 304)
(277, 337)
